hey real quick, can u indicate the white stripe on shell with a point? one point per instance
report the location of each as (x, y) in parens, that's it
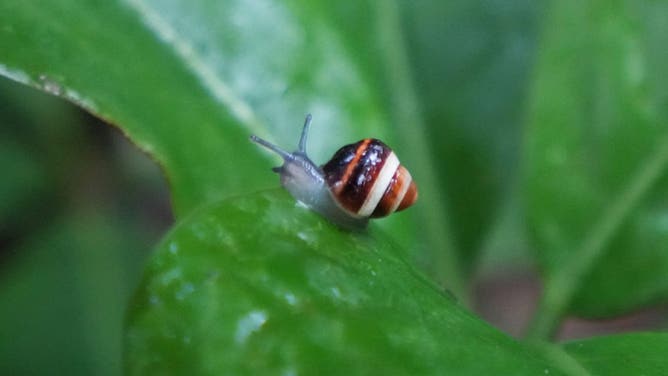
(379, 186)
(407, 180)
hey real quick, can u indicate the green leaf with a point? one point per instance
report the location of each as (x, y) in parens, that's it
(597, 156)
(190, 81)
(190, 94)
(259, 285)
(626, 354)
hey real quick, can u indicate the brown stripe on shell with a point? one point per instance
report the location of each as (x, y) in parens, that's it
(352, 186)
(389, 199)
(409, 198)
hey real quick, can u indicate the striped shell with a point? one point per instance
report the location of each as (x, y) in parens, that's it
(367, 180)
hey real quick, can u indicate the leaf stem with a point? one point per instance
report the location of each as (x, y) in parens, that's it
(560, 288)
(406, 111)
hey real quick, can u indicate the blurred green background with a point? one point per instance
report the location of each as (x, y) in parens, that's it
(80, 210)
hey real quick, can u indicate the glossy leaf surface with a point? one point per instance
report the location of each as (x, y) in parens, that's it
(188, 82)
(261, 285)
(191, 95)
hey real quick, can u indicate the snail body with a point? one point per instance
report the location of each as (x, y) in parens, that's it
(361, 181)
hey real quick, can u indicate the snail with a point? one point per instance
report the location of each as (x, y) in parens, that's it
(361, 181)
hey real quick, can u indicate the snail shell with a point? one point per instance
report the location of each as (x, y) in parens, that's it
(361, 181)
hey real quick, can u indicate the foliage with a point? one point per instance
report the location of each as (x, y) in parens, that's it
(561, 103)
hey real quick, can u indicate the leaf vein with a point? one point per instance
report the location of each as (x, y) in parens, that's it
(207, 76)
